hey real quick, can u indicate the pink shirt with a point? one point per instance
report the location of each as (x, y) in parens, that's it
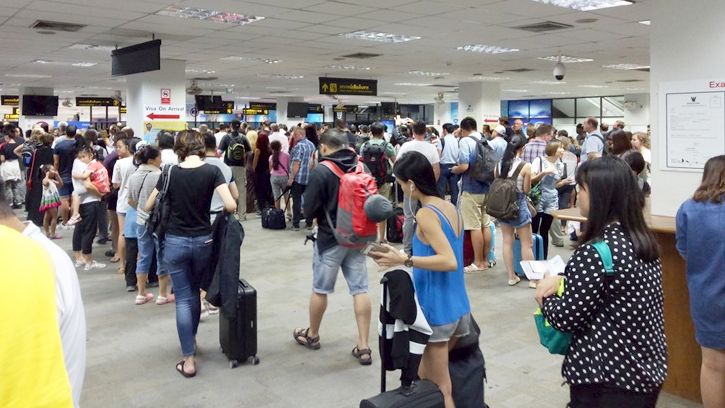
(283, 169)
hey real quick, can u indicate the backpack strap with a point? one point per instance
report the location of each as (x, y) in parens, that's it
(521, 165)
(334, 168)
(606, 254)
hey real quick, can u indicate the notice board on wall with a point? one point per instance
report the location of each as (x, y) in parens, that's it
(691, 123)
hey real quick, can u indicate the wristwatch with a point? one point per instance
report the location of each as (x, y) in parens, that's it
(409, 262)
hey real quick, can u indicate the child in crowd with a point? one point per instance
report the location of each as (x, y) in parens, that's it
(87, 170)
(50, 200)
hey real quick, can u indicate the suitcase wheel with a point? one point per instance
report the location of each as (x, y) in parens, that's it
(233, 363)
(254, 360)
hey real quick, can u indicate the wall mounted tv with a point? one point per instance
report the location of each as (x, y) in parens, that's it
(297, 110)
(209, 102)
(137, 58)
(40, 105)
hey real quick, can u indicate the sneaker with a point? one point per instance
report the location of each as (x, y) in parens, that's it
(110, 253)
(94, 265)
(295, 228)
(79, 263)
(513, 282)
(102, 241)
(213, 310)
(56, 236)
(130, 288)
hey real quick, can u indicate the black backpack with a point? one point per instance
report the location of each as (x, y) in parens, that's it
(236, 153)
(503, 196)
(374, 158)
(482, 170)
(605, 147)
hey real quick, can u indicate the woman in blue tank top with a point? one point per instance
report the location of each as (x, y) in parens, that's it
(437, 263)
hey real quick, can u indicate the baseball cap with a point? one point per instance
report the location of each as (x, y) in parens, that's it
(500, 129)
(378, 208)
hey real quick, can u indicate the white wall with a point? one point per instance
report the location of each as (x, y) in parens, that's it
(479, 100)
(637, 115)
(686, 41)
(145, 89)
(441, 114)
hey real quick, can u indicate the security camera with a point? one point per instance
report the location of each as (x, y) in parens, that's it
(559, 70)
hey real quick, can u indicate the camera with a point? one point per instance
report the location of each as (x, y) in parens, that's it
(559, 71)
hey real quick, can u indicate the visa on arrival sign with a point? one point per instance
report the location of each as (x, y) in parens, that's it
(164, 112)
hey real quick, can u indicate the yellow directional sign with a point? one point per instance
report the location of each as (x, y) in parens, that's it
(348, 86)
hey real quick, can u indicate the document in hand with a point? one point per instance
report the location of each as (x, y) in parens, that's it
(536, 270)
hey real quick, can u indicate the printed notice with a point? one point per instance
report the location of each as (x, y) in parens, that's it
(695, 128)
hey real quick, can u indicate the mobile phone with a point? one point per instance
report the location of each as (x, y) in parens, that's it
(374, 247)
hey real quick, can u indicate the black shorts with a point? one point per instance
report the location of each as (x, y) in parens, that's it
(112, 199)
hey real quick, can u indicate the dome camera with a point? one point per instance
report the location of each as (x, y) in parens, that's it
(559, 70)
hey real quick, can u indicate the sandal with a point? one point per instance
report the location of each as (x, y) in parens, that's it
(301, 337)
(180, 369)
(162, 300)
(140, 300)
(359, 354)
(513, 282)
(472, 268)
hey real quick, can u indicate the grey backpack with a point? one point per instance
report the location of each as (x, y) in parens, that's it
(503, 199)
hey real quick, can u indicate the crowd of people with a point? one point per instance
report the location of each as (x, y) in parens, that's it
(107, 184)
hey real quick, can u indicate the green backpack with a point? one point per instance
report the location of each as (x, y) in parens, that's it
(558, 342)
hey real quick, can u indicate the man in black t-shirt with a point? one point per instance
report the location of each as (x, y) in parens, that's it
(234, 147)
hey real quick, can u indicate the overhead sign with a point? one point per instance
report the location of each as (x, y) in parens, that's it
(164, 112)
(346, 108)
(263, 105)
(254, 111)
(123, 109)
(227, 109)
(96, 101)
(12, 117)
(315, 108)
(10, 100)
(348, 86)
(165, 96)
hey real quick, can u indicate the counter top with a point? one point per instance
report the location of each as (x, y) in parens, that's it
(657, 223)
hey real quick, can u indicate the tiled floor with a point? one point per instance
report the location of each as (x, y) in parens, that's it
(132, 349)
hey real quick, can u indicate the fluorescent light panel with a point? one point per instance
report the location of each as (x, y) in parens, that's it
(566, 59)
(66, 63)
(380, 37)
(208, 15)
(199, 71)
(548, 82)
(646, 22)
(429, 74)
(486, 49)
(625, 66)
(489, 78)
(251, 59)
(586, 5)
(594, 86)
(92, 47)
(30, 76)
(281, 76)
(516, 90)
(411, 84)
(348, 67)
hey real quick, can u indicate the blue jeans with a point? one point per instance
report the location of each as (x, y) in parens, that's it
(186, 258)
(450, 180)
(148, 245)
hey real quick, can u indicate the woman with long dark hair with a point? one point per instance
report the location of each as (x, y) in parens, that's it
(42, 155)
(512, 166)
(188, 241)
(260, 163)
(621, 143)
(700, 226)
(279, 172)
(437, 262)
(612, 307)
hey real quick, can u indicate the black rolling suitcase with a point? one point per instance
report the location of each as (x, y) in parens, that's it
(238, 336)
(468, 370)
(419, 394)
(274, 218)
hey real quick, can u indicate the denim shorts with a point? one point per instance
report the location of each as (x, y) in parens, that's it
(524, 214)
(326, 266)
(147, 247)
(66, 189)
(445, 332)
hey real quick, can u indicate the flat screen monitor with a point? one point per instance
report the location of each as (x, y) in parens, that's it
(137, 58)
(540, 108)
(40, 105)
(388, 108)
(314, 118)
(389, 124)
(297, 110)
(519, 109)
(209, 102)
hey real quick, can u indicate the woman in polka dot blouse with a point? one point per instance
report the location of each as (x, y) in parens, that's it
(618, 354)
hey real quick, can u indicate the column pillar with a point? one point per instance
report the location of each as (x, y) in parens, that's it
(441, 114)
(636, 112)
(481, 101)
(157, 97)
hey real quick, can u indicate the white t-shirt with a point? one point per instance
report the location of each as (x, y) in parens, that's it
(79, 167)
(427, 149)
(69, 304)
(168, 157)
(282, 139)
(217, 205)
(122, 171)
(218, 136)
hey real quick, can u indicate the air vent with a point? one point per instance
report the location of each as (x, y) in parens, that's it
(642, 69)
(46, 25)
(629, 80)
(519, 70)
(209, 78)
(361, 55)
(279, 92)
(443, 86)
(544, 27)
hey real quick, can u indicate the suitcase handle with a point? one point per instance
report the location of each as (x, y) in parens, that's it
(384, 282)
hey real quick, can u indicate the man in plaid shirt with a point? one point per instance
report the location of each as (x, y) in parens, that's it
(537, 146)
(299, 174)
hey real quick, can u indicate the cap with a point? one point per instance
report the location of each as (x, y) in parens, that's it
(378, 208)
(500, 129)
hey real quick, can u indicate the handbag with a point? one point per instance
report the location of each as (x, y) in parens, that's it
(534, 193)
(159, 216)
(532, 207)
(558, 342)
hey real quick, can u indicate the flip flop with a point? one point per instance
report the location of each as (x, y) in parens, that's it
(180, 369)
(472, 268)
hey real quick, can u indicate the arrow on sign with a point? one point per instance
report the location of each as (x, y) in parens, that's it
(153, 116)
(324, 87)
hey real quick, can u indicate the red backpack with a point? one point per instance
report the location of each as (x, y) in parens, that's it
(353, 229)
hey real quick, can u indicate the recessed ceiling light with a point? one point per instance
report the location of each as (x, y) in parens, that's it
(66, 63)
(208, 15)
(557, 93)
(92, 47)
(281, 76)
(199, 71)
(548, 82)
(429, 74)
(586, 5)
(646, 22)
(393, 93)
(565, 59)
(486, 49)
(489, 78)
(411, 84)
(251, 59)
(348, 67)
(33, 76)
(380, 37)
(84, 64)
(594, 86)
(516, 90)
(625, 66)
